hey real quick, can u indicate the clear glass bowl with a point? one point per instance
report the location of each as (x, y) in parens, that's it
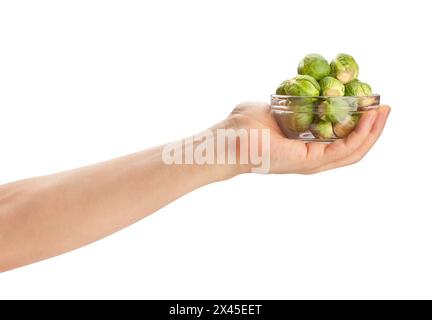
(322, 119)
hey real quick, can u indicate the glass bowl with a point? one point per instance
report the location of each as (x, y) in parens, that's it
(322, 119)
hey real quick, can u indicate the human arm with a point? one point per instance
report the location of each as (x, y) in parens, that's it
(46, 216)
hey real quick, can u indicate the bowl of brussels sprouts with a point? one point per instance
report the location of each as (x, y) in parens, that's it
(325, 101)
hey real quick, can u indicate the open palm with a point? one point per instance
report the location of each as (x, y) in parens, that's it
(294, 156)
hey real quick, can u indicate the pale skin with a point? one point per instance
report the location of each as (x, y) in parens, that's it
(46, 216)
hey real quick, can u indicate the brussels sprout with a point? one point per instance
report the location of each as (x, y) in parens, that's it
(360, 89)
(281, 89)
(301, 118)
(333, 110)
(344, 68)
(344, 128)
(314, 65)
(302, 85)
(357, 88)
(322, 130)
(331, 87)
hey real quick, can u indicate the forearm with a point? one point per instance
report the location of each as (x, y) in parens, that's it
(46, 216)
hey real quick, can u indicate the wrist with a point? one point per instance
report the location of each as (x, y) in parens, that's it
(231, 157)
(242, 148)
(213, 154)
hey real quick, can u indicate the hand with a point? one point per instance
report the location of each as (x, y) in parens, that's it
(294, 156)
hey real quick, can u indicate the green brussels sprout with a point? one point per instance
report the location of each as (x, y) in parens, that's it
(281, 89)
(344, 128)
(302, 85)
(344, 68)
(314, 65)
(300, 118)
(357, 88)
(365, 102)
(360, 89)
(331, 87)
(333, 110)
(322, 130)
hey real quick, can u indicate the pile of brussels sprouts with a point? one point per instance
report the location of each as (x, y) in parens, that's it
(328, 116)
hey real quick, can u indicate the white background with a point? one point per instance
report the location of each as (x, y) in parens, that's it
(85, 81)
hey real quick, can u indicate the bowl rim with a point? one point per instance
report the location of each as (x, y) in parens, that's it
(282, 96)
